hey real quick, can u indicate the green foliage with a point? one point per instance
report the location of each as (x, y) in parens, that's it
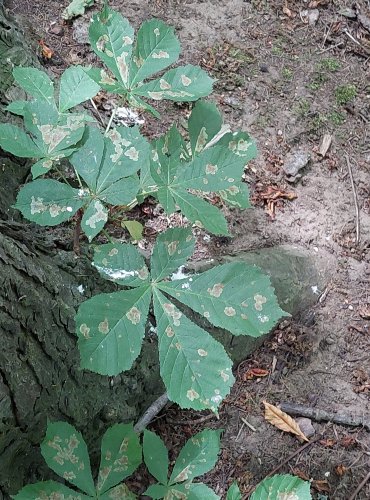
(198, 456)
(345, 94)
(329, 64)
(76, 8)
(195, 368)
(65, 452)
(129, 64)
(233, 492)
(282, 486)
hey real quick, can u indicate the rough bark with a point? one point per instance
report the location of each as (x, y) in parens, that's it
(40, 377)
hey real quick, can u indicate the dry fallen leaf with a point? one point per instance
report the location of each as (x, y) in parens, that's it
(255, 373)
(328, 443)
(341, 469)
(46, 51)
(282, 420)
(321, 486)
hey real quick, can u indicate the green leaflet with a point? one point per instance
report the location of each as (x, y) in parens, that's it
(94, 218)
(48, 489)
(65, 452)
(48, 202)
(75, 87)
(120, 492)
(155, 456)
(76, 8)
(120, 456)
(16, 107)
(204, 123)
(282, 486)
(198, 456)
(233, 492)
(35, 83)
(251, 309)
(111, 328)
(134, 227)
(200, 491)
(16, 141)
(129, 64)
(194, 367)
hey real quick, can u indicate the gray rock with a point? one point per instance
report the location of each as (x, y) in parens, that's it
(306, 426)
(294, 162)
(80, 31)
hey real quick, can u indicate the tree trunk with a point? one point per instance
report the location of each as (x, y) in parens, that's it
(40, 377)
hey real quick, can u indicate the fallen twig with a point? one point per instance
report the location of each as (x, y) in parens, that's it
(195, 421)
(151, 412)
(355, 200)
(322, 415)
(360, 486)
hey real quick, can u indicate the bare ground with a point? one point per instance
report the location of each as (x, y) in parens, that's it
(278, 78)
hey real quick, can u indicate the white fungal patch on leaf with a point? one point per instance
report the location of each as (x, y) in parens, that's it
(127, 40)
(156, 32)
(100, 44)
(211, 169)
(216, 290)
(132, 153)
(229, 311)
(115, 274)
(263, 319)
(164, 85)
(230, 179)
(185, 80)
(123, 66)
(162, 54)
(191, 395)
(206, 314)
(244, 316)
(225, 376)
(172, 312)
(85, 330)
(53, 135)
(202, 352)
(38, 206)
(139, 61)
(106, 79)
(259, 301)
(119, 143)
(103, 327)
(99, 215)
(143, 273)
(202, 140)
(112, 252)
(233, 190)
(205, 181)
(134, 315)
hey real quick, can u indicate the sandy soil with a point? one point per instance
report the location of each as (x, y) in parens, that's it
(278, 78)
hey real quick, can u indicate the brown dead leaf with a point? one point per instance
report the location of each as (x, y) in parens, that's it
(287, 11)
(301, 474)
(317, 3)
(46, 51)
(328, 443)
(255, 373)
(321, 486)
(282, 420)
(341, 470)
(347, 441)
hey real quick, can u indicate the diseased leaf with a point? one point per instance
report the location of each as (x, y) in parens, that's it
(183, 84)
(194, 367)
(134, 227)
(233, 492)
(17, 142)
(120, 456)
(36, 83)
(87, 159)
(121, 263)
(155, 456)
(240, 143)
(282, 486)
(111, 327)
(204, 123)
(76, 8)
(120, 492)
(236, 195)
(197, 457)
(172, 249)
(282, 420)
(121, 192)
(48, 489)
(235, 296)
(157, 491)
(75, 87)
(94, 219)
(65, 452)
(48, 202)
(111, 38)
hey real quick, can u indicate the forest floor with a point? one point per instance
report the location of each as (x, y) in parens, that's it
(289, 73)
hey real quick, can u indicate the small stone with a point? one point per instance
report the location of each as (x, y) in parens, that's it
(294, 162)
(310, 16)
(57, 30)
(264, 68)
(80, 32)
(306, 426)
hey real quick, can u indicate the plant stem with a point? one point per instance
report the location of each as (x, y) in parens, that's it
(110, 120)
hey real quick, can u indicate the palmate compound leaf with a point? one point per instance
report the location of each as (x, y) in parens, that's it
(48, 202)
(120, 456)
(157, 47)
(155, 456)
(108, 164)
(236, 296)
(65, 452)
(111, 328)
(48, 489)
(194, 367)
(282, 486)
(198, 456)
